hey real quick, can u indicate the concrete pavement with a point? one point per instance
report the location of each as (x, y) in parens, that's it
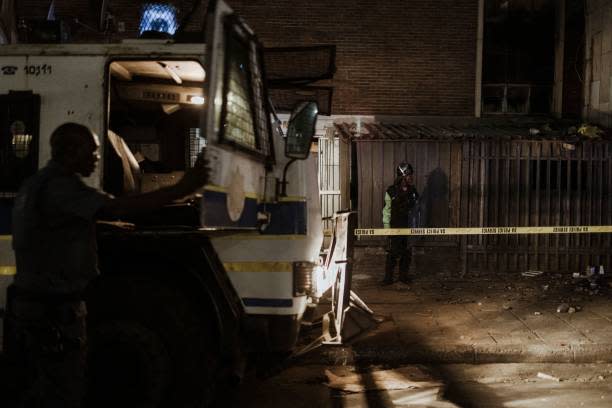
(502, 318)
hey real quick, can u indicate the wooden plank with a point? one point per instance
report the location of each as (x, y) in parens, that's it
(558, 209)
(549, 241)
(455, 184)
(486, 192)
(473, 198)
(600, 196)
(515, 200)
(497, 199)
(389, 163)
(465, 190)
(568, 208)
(445, 167)
(588, 207)
(609, 202)
(578, 200)
(365, 183)
(436, 184)
(528, 198)
(378, 187)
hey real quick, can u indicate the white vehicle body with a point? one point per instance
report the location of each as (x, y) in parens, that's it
(72, 81)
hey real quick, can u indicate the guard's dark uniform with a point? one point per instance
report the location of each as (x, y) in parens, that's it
(399, 212)
(56, 255)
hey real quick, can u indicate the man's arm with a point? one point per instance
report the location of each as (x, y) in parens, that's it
(386, 212)
(191, 181)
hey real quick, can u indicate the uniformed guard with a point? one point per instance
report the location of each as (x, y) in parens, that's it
(54, 219)
(399, 211)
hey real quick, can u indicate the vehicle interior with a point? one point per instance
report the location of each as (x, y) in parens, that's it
(154, 132)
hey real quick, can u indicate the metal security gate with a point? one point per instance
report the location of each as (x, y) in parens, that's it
(333, 177)
(491, 183)
(536, 183)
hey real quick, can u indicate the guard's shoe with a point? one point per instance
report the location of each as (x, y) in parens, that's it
(406, 281)
(386, 282)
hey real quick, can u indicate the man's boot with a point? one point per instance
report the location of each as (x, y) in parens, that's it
(389, 266)
(404, 268)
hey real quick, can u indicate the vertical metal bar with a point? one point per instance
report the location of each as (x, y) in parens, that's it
(506, 185)
(497, 187)
(609, 201)
(538, 155)
(568, 212)
(600, 199)
(527, 241)
(589, 204)
(559, 204)
(579, 207)
(474, 200)
(517, 150)
(484, 176)
(481, 200)
(464, 199)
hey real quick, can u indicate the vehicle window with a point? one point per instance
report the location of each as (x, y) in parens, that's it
(245, 117)
(239, 113)
(18, 139)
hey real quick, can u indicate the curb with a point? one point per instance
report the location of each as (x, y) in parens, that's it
(461, 354)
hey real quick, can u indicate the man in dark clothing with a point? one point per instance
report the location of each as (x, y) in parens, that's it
(54, 239)
(399, 212)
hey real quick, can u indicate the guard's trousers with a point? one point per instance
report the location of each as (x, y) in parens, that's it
(398, 247)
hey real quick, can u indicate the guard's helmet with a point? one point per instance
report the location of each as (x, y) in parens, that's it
(403, 169)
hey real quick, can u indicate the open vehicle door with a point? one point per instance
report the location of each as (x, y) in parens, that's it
(236, 123)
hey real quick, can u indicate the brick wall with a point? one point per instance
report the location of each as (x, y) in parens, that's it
(394, 57)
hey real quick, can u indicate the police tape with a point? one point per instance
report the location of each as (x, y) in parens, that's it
(578, 229)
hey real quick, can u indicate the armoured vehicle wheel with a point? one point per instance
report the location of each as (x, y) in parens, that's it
(149, 346)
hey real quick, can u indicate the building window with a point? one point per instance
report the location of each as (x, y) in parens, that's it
(518, 57)
(158, 17)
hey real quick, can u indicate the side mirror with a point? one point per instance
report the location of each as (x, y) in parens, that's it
(301, 130)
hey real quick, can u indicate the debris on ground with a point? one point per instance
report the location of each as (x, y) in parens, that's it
(537, 313)
(545, 376)
(563, 308)
(590, 131)
(531, 274)
(396, 379)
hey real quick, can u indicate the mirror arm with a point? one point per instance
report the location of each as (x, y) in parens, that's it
(284, 183)
(277, 121)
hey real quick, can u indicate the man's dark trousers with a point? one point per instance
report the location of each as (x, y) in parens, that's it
(398, 247)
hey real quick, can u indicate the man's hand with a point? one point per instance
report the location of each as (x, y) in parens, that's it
(195, 177)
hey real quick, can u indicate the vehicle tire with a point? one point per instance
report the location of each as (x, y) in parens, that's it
(150, 345)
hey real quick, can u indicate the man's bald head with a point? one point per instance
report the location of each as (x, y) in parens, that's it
(67, 138)
(75, 147)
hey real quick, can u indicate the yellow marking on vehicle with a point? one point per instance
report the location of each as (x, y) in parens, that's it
(258, 266)
(7, 270)
(574, 229)
(292, 199)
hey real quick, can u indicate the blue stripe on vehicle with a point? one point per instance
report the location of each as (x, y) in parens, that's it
(286, 217)
(215, 211)
(259, 302)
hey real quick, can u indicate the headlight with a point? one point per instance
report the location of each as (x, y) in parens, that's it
(302, 278)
